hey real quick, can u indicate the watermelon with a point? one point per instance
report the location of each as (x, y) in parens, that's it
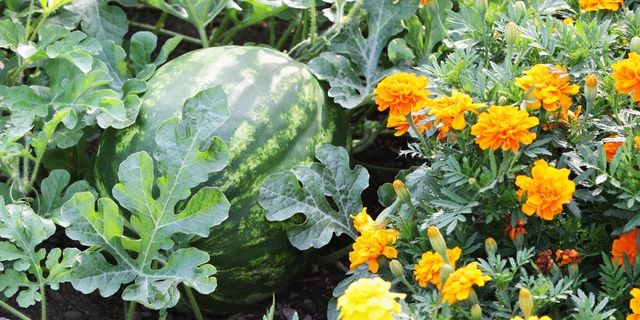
(279, 114)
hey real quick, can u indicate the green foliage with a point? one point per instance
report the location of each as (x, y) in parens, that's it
(283, 196)
(351, 67)
(25, 267)
(147, 254)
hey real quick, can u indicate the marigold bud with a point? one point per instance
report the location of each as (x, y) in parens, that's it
(396, 269)
(511, 33)
(476, 312)
(401, 191)
(445, 271)
(526, 302)
(634, 46)
(490, 246)
(521, 9)
(481, 6)
(590, 87)
(502, 101)
(437, 241)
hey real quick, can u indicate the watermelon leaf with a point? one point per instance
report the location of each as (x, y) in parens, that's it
(142, 244)
(55, 191)
(100, 20)
(21, 232)
(384, 20)
(306, 189)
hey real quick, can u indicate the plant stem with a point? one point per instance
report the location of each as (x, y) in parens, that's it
(194, 303)
(220, 29)
(131, 311)
(13, 311)
(272, 31)
(413, 127)
(28, 25)
(165, 32)
(35, 30)
(286, 34)
(204, 39)
(314, 28)
(43, 303)
(160, 23)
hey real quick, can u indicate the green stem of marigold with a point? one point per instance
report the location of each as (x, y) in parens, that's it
(413, 127)
(14, 311)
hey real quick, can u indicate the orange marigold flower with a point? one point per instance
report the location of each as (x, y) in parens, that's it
(428, 268)
(547, 190)
(450, 110)
(514, 231)
(460, 283)
(610, 148)
(634, 304)
(401, 125)
(625, 245)
(532, 318)
(370, 245)
(544, 261)
(593, 5)
(423, 2)
(626, 74)
(401, 93)
(636, 141)
(504, 127)
(549, 86)
(363, 221)
(568, 256)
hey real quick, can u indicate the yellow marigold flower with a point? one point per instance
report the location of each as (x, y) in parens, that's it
(549, 87)
(625, 245)
(547, 190)
(363, 221)
(626, 73)
(593, 5)
(636, 141)
(369, 298)
(401, 93)
(532, 318)
(428, 268)
(460, 283)
(400, 124)
(450, 110)
(568, 21)
(610, 148)
(370, 245)
(634, 304)
(504, 127)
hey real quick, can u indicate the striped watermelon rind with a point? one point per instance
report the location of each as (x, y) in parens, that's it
(279, 115)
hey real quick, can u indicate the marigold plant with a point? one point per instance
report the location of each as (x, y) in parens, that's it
(401, 93)
(450, 110)
(369, 298)
(626, 74)
(610, 148)
(549, 86)
(593, 5)
(427, 270)
(546, 190)
(370, 245)
(504, 127)
(626, 245)
(460, 283)
(634, 304)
